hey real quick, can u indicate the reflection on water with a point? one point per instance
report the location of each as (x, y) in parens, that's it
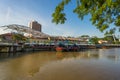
(99, 64)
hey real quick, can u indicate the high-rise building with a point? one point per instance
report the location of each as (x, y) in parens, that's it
(35, 26)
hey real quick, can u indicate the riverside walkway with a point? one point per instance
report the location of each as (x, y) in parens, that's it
(13, 48)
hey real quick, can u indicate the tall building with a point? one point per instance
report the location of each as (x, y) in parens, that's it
(35, 26)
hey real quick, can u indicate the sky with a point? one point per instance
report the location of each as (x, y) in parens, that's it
(23, 11)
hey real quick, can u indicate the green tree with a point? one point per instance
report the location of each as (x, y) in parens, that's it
(110, 37)
(95, 40)
(18, 37)
(102, 12)
(85, 36)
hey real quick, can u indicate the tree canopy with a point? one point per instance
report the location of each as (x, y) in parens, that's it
(85, 36)
(102, 13)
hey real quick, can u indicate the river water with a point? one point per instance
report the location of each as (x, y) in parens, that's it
(96, 64)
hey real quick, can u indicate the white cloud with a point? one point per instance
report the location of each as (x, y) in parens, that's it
(8, 14)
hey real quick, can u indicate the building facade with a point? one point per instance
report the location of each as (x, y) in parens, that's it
(35, 26)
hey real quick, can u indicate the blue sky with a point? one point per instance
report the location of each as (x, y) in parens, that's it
(23, 11)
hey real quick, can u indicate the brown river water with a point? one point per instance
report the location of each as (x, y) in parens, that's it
(96, 64)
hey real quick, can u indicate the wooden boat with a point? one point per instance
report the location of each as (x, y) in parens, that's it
(67, 48)
(59, 49)
(73, 48)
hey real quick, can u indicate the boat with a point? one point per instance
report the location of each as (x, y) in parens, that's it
(73, 47)
(62, 47)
